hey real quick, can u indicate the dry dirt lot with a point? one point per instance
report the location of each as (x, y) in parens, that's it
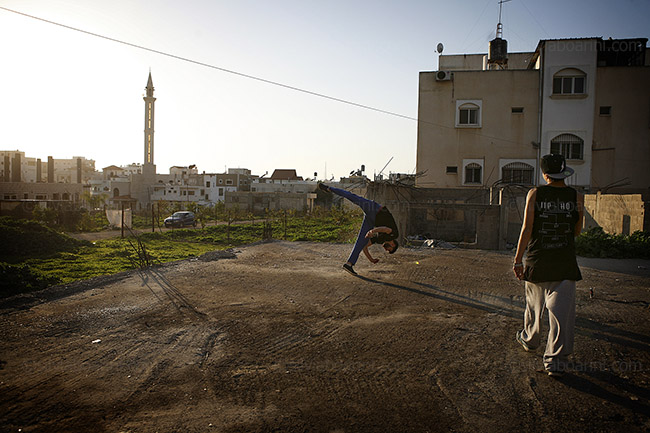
(280, 338)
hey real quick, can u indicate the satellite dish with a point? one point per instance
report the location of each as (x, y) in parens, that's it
(440, 47)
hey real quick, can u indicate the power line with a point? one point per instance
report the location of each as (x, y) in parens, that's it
(477, 20)
(252, 77)
(535, 18)
(207, 65)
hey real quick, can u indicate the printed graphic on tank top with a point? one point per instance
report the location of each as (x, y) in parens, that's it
(556, 223)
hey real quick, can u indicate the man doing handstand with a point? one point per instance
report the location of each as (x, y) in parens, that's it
(378, 227)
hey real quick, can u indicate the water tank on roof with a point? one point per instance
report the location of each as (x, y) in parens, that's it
(498, 51)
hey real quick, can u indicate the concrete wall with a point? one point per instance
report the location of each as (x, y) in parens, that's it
(40, 191)
(473, 217)
(476, 62)
(621, 147)
(616, 214)
(501, 135)
(570, 114)
(258, 202)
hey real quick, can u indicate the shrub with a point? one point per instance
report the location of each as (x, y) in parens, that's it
(21, 238)
(15, 279)
(594, 242)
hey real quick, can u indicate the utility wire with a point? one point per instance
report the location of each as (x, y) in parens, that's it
(535, 18)
(474, 26)
(196, 62)
(252, 77)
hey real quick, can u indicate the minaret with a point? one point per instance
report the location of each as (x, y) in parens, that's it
(149, 104)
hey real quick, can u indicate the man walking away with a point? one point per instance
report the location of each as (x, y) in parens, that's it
(552, 219)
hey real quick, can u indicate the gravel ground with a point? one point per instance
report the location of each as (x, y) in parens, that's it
(277, 337)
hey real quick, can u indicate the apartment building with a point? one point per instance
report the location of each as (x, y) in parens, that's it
(486, 119)
(16, 166)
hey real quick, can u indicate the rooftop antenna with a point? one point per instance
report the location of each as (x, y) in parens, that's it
(382, 170)
(498, 53)
(499, 25)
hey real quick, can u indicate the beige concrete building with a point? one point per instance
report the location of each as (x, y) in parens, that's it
(621, 137)
(16, 166)
(486, 119)
(474, 125)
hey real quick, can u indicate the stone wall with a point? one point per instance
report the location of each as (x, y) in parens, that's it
(616, 214)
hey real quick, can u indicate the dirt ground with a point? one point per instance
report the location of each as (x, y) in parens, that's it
(280, 338)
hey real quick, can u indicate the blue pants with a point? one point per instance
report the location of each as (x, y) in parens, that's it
(370, 209)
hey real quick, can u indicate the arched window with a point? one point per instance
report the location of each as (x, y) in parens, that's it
(569, 81)
(468, 114)
(116, 192)
(473, 173)
(517, 172)
(568, 145)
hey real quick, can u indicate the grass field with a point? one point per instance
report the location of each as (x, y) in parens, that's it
(37, 256)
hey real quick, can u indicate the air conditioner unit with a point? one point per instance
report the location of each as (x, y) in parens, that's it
(443, 76)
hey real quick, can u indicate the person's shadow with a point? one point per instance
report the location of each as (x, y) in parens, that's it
(581, 379)
(634, 398)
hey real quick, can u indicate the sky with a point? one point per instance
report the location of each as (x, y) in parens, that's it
(64, 93)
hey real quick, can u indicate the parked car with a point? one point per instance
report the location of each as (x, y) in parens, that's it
(181, 219)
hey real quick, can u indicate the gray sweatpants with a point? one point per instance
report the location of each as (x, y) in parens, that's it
(559, 299)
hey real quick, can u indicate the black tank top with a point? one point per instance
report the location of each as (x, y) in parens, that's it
(551, 251)
(385, 219)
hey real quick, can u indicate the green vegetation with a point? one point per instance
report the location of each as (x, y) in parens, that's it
(594, 242)
(15, 279)
(79, 220)
(22, 239)
(35, 256)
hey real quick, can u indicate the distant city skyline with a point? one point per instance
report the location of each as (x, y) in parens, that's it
(66, 93)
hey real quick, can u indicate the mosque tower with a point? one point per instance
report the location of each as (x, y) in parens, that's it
(149, 116)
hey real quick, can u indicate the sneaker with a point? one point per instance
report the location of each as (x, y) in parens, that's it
(349, 268)
(323, 187)
(554, 373)
(522, 342)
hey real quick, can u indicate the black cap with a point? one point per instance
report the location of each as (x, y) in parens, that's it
(554, 166)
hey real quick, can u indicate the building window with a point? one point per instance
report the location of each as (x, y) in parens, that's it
(468, 113)
(568, 145)
(473, 173)
(517, 110)
(569, 82)
(605, 111)
(452, 169)
(221, 191)
(220, 181)
(517, 172)
(228, 181)
(207, 184)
